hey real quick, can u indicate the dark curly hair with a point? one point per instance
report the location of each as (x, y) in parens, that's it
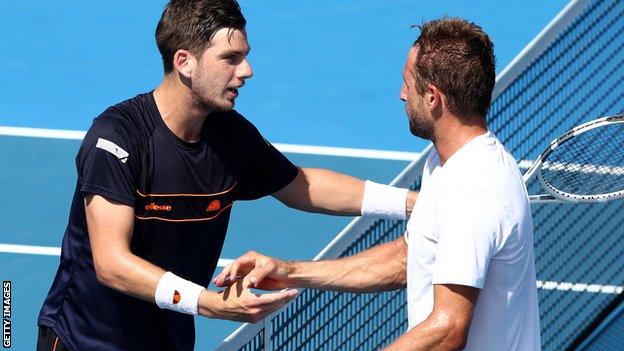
(191, 24)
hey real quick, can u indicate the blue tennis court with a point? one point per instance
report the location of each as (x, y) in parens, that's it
(327, 74)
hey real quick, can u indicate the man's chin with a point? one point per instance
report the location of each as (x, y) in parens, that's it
(225, 108)
(228, 105)
(422, 133)
(220, 106)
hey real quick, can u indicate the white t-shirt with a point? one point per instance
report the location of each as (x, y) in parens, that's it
(471, 225)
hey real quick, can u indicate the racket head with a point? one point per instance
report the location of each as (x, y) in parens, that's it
(586, 163)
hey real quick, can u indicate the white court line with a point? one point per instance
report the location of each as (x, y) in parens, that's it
(31, 250)
(546, 285)
(56, 251)
(347, 152)
(42, 133)
(580, 287)
(288, 148)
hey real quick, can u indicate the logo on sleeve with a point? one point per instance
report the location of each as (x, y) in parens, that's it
(176, 297)
(113, 148)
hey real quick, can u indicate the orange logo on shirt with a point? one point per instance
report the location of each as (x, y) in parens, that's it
(153, 207)
(213, 206)
(176, 297)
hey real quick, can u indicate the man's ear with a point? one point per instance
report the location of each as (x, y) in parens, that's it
(184, 62)
(434, 98)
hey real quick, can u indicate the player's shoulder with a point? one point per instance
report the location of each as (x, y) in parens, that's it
(231, 117)
(232, 122)
(128, 119)
(489, 175)
(484, 160)
(128, 123)
(133, 112)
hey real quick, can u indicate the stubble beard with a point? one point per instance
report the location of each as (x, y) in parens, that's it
(419, 125)
(207, 97)
(211, 104)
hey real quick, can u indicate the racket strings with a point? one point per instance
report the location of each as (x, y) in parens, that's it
(591, 163)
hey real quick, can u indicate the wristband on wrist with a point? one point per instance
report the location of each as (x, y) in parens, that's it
(177, 294)
(383, 201)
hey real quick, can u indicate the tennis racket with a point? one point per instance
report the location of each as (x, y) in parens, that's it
(585, 164)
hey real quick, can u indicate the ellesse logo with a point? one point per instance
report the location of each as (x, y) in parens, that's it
(154, 207)
(176, 297)
(213, 206)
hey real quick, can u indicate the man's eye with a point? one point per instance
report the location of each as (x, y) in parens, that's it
(232, 58)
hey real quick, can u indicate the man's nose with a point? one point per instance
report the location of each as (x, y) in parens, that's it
(403, 93)
(244, 70)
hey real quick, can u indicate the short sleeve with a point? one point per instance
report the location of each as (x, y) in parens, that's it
(106, 162)
(469, 235)
(265, 169)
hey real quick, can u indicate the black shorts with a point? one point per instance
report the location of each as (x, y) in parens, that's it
(48, 341)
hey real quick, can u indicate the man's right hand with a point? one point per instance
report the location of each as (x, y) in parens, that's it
(262, 272)
(238, 303)
(380, 268)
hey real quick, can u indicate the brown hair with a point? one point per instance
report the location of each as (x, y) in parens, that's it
(458, 58)
(191, 24)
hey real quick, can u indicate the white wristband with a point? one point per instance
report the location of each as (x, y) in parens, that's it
(384, 201)
(177, 294)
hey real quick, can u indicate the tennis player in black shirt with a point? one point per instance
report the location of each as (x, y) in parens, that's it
(157, 177)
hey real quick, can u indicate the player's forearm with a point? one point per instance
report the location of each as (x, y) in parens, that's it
(139, 278)
(381, 268)
(432, 334)
(130, 275)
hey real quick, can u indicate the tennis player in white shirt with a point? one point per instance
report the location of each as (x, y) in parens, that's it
(467, 256)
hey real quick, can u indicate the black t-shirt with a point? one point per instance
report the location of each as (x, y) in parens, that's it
(182, 195)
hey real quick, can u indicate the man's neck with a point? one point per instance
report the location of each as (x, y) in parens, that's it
(178, 110)
(452, 134)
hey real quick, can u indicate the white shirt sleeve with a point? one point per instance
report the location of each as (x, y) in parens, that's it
(469, 235)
